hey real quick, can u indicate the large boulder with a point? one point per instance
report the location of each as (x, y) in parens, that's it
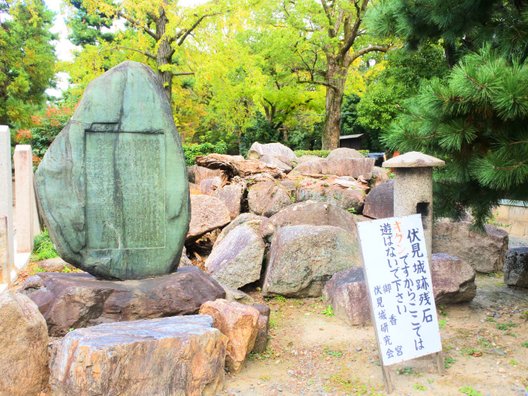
(284, 165)
(237, 260)
(351, 198)
(379, 202)
(347, 293)
(199, 173)
(256, 222)
(516, 267)
(276, 150)
(453, 279)
(23, 346)
(484, 251)
(112, 187)
(80, 300)
(232, 195)
(354, 167)
(207, 214)
(268, 197)
(239, 323)
(315, 213)
(168, 356)
(344, 153)
(303, 257)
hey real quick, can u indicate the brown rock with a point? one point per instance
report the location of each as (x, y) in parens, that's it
(453, 279)
(271, 150)
(198, 173)
(379, 176)
(168, 356)
(314, 213)
(346, 198)
(237, 166)
(239, 323)
(80, 300)
(231, 195)
(516, 267)
(207, 213)
(261, 341)
(379, 203)
(254, 221)
(53, 265)
(209, 186)
(23, 346)
(267, 198)
(484, 251)
(347, 292)
(344, 153)
(354, 167)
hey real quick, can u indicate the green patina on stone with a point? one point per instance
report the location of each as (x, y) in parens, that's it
(113, 185)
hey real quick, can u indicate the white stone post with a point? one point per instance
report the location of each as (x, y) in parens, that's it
(6, 206)
(24, 198)
(413, 189)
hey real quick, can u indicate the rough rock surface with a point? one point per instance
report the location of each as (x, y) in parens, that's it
(198, 173)
(239, 323)
(268, 197)
(284, 165)
(276, 150)
(185, 261)
(485, 252)
(209, 186)
(379, 202)
(252, 220)
(354, 167)
(119, 159)
(347, 292)
(261, 341)
(23, 346)
(379, 176)
(207, 214)
(53, 264)
(516, 267)
(80, 300)
(303, 257)
(344, 153)
(231, 195)
(346, 198)
(315, 213)
(453, 279)
(237, 260)
(168, 356)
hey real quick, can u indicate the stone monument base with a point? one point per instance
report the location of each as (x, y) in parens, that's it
(76, 300)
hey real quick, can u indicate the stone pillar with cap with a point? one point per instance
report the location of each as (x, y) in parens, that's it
(413, 188)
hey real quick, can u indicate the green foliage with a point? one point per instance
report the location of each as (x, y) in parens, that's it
(470, 391)
(318, 153)
(333, 352)
(191, 151)
(449, 361)
(43, 247)
(328, 311)
(27, 61)
(420, 387)
(476, 120)
(525, 344)
(505, 326)
(406, 371)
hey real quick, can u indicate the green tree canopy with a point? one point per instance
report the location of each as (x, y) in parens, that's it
(27, 59)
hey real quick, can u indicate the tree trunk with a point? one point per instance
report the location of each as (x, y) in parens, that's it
(164, 54)
(336, 78)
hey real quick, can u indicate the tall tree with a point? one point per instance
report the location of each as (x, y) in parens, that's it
(330, 40)
(27, 59)
(167, 26)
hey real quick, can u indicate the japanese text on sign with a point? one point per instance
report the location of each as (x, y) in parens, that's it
(400, 288)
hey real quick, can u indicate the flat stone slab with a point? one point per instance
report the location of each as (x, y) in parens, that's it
(169, 356)
(78, 300)
(113, 185)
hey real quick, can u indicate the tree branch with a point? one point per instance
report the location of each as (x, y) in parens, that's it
(351, 34)
(331, 31)
(183, 74)
(366, 50)
(323, 83)
(186, 33)
(146, 53)
(138, 25)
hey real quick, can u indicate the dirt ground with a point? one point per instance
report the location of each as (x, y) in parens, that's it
(311, 352)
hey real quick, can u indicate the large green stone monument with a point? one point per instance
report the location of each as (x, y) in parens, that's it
(113, 185)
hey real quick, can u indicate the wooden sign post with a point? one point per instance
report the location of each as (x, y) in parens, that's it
(400, 290)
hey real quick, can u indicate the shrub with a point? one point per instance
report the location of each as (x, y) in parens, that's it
(191, 151)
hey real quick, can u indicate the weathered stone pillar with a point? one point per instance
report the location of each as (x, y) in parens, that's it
(7, 256)
(24, 198)
(413, 188)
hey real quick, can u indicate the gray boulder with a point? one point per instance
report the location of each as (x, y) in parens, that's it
(231, 195)
(354, 167)
(379, 202)
(80, 300)
(303, 257)
(256, 222)
(276, 150)
(237, 260)
(23, 346)
(453, 279)
(268, 197)
(261, 342)
(168, 356)
(516, 267)
(484, 251)
(345, 198)
(347, 292)
(344, 153)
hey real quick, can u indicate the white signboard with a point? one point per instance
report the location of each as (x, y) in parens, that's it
(400, 288)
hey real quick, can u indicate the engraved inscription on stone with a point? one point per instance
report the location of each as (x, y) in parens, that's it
(125, 212)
